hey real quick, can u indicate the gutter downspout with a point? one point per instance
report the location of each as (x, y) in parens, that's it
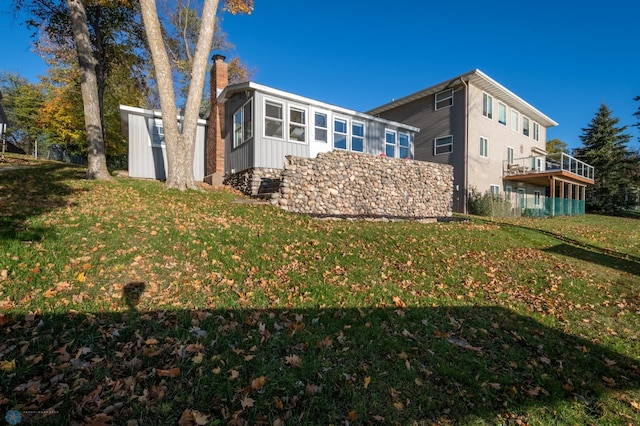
(466, 147)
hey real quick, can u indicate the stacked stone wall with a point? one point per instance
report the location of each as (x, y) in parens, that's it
(340, 183)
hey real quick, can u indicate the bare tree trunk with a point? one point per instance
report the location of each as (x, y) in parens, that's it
(180, 146)
(97, 161)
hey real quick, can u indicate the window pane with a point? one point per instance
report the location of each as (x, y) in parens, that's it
(247, 125)
(404, 139)
(273, 128)
(296, 116)
(404, 152)
(357, 129)
(390, 137)
(444, 145)
(390, 151)
(514, 120)
(237, 128)
(321, 135)
(357, 144)
(273, 110)
(444, 99)
(321, 120)
(525, 126)
(487, 105)
(340, 134)
(502, 114)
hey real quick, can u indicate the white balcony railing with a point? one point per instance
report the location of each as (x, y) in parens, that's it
(548, 164)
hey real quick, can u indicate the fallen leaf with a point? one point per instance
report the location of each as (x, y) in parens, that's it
(609, 381)
(8, 366)
(258, 383)
(352, 415)
(197, 359)
(247, 402)
(234, 374)
(293, 360)
(367, 380)
(81, 277)
(399, 405)
(172, 372)
(199, 418)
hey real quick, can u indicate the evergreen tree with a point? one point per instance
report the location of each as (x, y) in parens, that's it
(605, 148)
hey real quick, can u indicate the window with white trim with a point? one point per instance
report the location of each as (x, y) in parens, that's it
(297, 124)
(243, 124)
(502, 113)
(509, 155)
(157, 132)
(444, 99)
(405, 148)
(515, 116)
(390, 143)
(273, 120)
(357, 137)
(525, 125)
(536, 198)
(484, 147)
(320, 121)
(536, 131)
(487, 106)
(443, 145)
(495, 190)
(340, 133)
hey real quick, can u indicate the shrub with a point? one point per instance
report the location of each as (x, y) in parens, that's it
(488, 204)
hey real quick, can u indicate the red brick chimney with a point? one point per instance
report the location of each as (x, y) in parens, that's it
(214, 167)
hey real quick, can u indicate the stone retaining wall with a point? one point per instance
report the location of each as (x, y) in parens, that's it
(340, 183)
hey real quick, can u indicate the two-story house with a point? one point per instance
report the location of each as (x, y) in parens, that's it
(495, 141)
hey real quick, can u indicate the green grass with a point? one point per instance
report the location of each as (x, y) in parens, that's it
(123, 302)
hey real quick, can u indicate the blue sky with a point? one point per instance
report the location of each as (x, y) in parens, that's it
(565, 57)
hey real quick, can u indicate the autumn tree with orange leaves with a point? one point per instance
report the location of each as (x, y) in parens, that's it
(180, 144)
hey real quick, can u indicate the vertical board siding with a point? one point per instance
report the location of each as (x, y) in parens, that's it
(150, 162)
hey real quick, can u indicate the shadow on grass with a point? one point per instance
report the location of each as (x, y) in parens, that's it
(26, 194)
(587, 252)
(307, 366)
(619, 261)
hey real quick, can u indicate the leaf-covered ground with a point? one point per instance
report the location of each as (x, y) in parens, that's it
(123, 303)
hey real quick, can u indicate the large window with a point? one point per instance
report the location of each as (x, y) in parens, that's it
(509, 155)
(444, 99)
(405, 149)
(487, 105)
(536, 131)
(297, 124)
(340, 133)
(495, 191)
(357, 137)
(273, 120)
(484, 147)
(443, 145)
(525, 125)
(390, 143)
(502, 113)
(243, 124)
(320, 127)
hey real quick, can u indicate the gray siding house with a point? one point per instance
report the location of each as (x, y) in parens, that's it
(263, 125)
(147, 152)
(495, 141)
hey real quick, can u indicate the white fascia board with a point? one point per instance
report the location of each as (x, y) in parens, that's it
(153, 113)
(229, 90)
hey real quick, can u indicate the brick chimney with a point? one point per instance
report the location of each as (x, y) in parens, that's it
(214, 167)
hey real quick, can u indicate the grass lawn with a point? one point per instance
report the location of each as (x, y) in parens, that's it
(123, 303)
